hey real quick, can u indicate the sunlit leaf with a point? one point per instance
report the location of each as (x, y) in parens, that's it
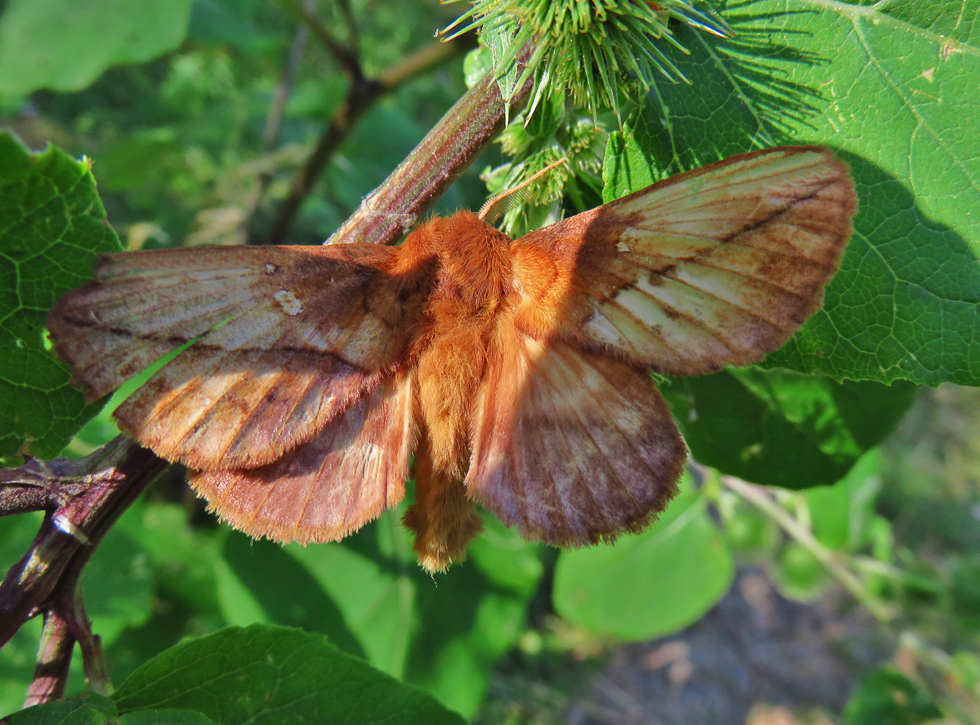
(649, 584)
(66, 44)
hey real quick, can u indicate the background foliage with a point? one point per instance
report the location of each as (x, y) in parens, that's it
(173, 117)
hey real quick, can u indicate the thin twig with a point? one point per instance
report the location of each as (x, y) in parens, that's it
(37, 486)
(346, 57)
(72, 607)
(944, 681)
(46, 578)
(359, 99)
(758, 497)
(53, 660)
(353, 34)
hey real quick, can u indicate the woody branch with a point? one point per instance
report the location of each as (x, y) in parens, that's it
(82, 499)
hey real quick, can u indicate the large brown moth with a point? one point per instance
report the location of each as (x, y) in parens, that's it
(517, 372)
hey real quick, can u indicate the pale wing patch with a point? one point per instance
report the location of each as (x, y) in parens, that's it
(711, 268)
(347, 475)
(570, 447)
(287, 300)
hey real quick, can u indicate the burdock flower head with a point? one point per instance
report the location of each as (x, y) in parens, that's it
(584, 48)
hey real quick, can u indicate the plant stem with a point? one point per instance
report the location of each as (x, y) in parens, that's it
(460, 136)
(758, 497)
(53, 659)
(47, 577)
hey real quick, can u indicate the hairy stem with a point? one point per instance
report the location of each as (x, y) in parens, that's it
(431, 168)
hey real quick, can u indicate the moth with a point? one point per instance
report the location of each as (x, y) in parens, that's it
(510, 374)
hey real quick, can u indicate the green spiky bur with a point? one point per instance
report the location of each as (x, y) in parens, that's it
(584, 49)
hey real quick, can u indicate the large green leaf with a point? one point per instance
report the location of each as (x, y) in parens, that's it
(92, 709)
(650, 584)
(264, 583)
(893, 86)
(840, 514)
(266, 674)
(185, 562)
(472, 616)
(86, 710)
(51, 229)
(782, 428)
(64, 45)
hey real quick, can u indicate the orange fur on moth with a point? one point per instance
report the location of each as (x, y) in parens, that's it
(516, 371)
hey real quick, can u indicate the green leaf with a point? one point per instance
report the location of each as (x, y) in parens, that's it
(19, 655)
(264, 583)
(782, 428)
(183, 556)
(505, 559)
(88, 709)
(17, 665)
(650, 584)
(500, 39)
(471, 616)
(884, 85)
(381, 609)
(887, 697)
(165, 717)
(799, 574)
(51, 229)
(965, 588)
(92, 709)
(224, 22)
(265, 674)
(444, 634)
(64, 45)
(118, 584)
(184, 561)
(477, 63)
(840, 514)
(118, 581)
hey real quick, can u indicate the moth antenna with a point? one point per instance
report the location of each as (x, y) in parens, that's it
(502, 202)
